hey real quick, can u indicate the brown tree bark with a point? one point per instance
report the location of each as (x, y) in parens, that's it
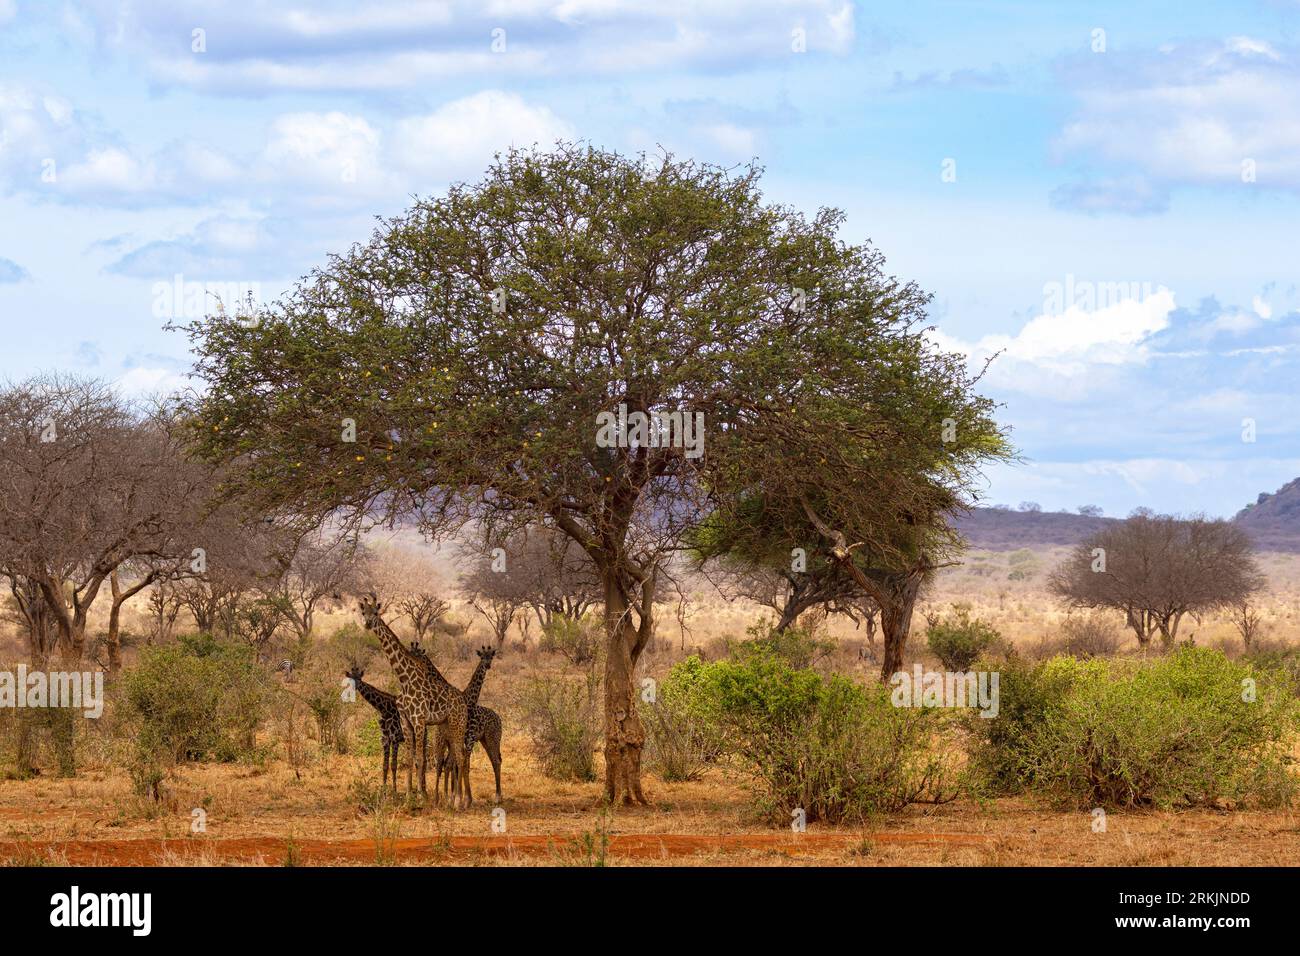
(897, 599)
(120, 597)
(624, 732)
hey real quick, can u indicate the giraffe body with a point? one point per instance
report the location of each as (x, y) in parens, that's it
(390, 719)
(483, 724)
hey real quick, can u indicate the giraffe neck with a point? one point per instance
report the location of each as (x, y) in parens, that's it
(432, 671)
(399, 657)
(375, 697)
(475, 684)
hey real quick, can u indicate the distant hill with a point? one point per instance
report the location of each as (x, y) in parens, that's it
(1001, 529)
(1273, 521)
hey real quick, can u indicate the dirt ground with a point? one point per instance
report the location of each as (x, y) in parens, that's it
(271, 816)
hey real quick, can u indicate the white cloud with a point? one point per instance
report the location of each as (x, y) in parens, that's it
(391, 44)
(1071, 342)
(152, 381)
(334, 152)
(462, 135)
(1192, 114)
(735, 142)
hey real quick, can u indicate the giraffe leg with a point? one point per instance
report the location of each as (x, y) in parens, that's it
(493, 748)
(410, 753)
(383, 780)
(424, 761)
(439, 762)
(424, 753)
(456, 733)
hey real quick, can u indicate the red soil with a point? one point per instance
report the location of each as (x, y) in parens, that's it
(273, 850)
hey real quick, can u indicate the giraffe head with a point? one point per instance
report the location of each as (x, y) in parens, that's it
(371, 609)
(354, 672)
(419, 650)
(486, 654)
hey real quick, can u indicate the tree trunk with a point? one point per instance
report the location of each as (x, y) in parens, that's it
(115, 625)
(899, 594)
(624, 734)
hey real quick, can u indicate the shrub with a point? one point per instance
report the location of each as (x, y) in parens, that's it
(680, 743)
(1029, 695)
(960, 640)
(1179, 731)
(1083, 636)
(833, 748)
(578, 641)
(800, 647)
(562, 719)
(196, 699)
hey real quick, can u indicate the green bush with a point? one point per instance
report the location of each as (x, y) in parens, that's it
(1029, 698)
(1178, 731)
(680, 743)
(960, 640)
(797, 646)
(561, 716)
(196, 699)
(829, 746)
(579, 641)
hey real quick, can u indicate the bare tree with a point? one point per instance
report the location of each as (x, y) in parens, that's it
(164, 608)
(315, 568)
(88, 482)
(1157, 569)
(494, 592)
(407, 581)
(1245, 618)
(554, 575)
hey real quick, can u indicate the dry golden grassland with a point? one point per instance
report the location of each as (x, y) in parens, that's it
(320, 806)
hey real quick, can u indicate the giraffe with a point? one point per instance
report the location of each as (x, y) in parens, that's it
(426, 698)
(390, 718)
(443, 738)
(484, 728)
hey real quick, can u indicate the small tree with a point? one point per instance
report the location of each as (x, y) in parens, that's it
(1245, 618)
(317, 568)
(1157, 569)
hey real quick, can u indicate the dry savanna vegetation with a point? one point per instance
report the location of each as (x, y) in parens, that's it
(601, 512)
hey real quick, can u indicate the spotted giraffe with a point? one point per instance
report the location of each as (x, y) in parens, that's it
(484, 728)
(426, 698)
(484, 725)
(390, 718)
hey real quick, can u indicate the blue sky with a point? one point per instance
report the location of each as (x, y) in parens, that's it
(1105, 196)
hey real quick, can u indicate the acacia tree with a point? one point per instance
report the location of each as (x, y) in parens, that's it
(455, 368)
(790, 587)
(494, 594)
(1157, 569)
(89, 482)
